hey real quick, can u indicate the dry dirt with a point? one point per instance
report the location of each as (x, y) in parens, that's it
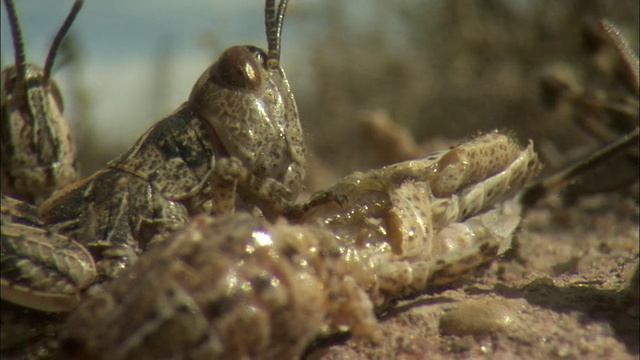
(563, 292)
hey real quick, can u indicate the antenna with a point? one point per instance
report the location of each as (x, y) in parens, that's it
(55, 45)
(273, 22)
(18, 43)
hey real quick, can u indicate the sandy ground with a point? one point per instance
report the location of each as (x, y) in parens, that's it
(562, 292)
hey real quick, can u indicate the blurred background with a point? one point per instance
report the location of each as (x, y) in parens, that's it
(443, 70)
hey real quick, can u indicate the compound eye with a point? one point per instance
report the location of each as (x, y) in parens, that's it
(258, 54)
(238, 68)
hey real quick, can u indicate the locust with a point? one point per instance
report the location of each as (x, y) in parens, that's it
(235, 143)
(237, 286)
(228, 267)
(38, 158)
(239, 130)
(38, 154)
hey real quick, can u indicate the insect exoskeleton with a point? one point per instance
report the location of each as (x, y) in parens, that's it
(238, 286)
(238, 138)
(38, 152)
(28, 248)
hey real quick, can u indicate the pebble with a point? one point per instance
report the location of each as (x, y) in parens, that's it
(477, 317)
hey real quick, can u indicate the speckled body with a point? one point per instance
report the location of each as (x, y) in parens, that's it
(37, 157)
(35, 165)
(235, 144)
(27, 248)
(37, 152)
(239, 109)
(240, 287)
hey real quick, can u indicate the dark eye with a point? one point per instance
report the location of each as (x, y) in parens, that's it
(258, 54)
(238, 68)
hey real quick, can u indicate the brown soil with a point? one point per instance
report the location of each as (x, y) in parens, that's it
(567, 289)
(564, 292)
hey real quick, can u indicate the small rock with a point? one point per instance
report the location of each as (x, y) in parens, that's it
(478, 317)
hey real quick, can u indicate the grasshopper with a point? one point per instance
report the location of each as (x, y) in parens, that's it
(38, 157)
(237, 134)
(238, 287)
(37, 151)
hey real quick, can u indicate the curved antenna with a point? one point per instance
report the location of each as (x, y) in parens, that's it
(273, 22)
(18, 43)
(55, 45)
